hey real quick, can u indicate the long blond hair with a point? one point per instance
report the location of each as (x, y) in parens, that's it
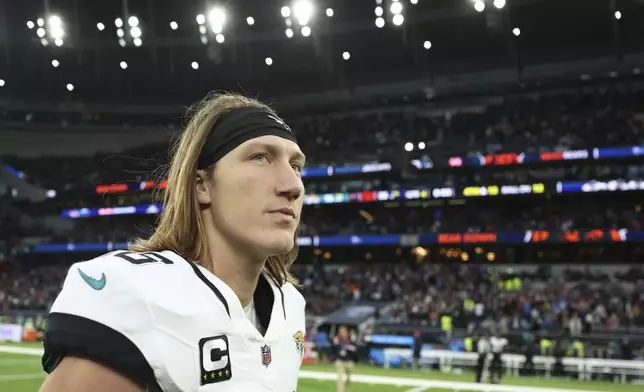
(180, 227)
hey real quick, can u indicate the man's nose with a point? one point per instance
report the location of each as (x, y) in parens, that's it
(289, 184)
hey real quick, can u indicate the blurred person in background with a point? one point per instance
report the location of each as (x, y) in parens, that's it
(497, 346)
(345, 358)
(418, 345)
(212, 282)
(483, 349)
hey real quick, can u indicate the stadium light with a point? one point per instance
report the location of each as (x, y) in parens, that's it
(286, 11)
(303, 11)
(220, 38)
(100, 26)
(479, 6)
(40, 32)
(201, 19)
(30, 25)
(306, 31)
(2, 82)
(409, 146)
(346, 55)
(137, 42)
(123, 65)
(421, 145)
(380, 22)
(414, 1)
(58, 42)
(427, 45)
(44, 42)
(174, 25)
(55, 63)
(217, 19)
(194, 65)
(379, 11)
(135, 32)
(289, 32)
(250, 20)
(499, 3)
(40, 22)
(120, 33)
(618, 15)
(70, 87)
(329, 12)
(396, 8)
(122, 42)
(398, 19)
(133, 21)
(516, 31)
(268, 61)
(118, 22)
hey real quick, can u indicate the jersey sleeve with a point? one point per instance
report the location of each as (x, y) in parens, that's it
(100, 316)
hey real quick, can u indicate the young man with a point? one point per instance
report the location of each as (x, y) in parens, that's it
(345, 358)
(207, 303)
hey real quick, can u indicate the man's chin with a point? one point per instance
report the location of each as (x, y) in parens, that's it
(280, 245)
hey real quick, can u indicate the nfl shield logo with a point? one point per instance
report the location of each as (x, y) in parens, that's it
(266, 355)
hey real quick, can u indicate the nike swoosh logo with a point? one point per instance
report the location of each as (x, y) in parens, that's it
(96, 284)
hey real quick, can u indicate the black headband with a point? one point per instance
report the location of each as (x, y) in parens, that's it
(238, 126)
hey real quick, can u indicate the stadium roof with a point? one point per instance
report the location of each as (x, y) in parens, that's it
(161, 53)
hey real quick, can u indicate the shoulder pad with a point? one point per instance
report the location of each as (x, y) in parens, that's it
(100, 290)
(102, 316)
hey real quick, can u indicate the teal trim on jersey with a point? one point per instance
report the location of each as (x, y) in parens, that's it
(96, 284)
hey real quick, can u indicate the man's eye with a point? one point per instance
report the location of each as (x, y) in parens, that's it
(259, 158)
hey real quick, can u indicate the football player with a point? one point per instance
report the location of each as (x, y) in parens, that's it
(206, 303)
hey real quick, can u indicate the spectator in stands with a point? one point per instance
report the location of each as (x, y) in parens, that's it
(575, 325)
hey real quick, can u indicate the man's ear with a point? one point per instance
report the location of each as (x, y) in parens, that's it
(202, 188)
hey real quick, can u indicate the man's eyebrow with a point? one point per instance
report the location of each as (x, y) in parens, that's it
(273, 149)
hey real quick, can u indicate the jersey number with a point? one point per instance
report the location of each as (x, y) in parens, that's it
(143, 258)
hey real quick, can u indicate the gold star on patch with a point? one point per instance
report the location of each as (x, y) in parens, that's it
(227, 372)
(212, 375)
(205, 377)
(220, 373)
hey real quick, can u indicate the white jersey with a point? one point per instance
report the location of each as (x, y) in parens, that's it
(498, 344)
(171, 325)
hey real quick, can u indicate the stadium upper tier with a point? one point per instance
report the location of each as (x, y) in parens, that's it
(394, 135)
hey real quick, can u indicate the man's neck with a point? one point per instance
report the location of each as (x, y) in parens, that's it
(239, 272)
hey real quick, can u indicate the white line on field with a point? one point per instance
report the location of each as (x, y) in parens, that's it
(27, 376)
(419, 389)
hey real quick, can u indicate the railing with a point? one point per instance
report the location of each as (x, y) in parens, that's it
(584, 367)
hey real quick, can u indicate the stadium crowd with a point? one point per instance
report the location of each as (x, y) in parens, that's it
(541, 121)
(579, 300)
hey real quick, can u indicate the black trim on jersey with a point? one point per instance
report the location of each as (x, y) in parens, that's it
(71, 335)
(282, 296)
(212, 287)
(283, 307)
(264, 300)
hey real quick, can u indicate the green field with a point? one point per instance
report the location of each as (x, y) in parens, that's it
(22, 373)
